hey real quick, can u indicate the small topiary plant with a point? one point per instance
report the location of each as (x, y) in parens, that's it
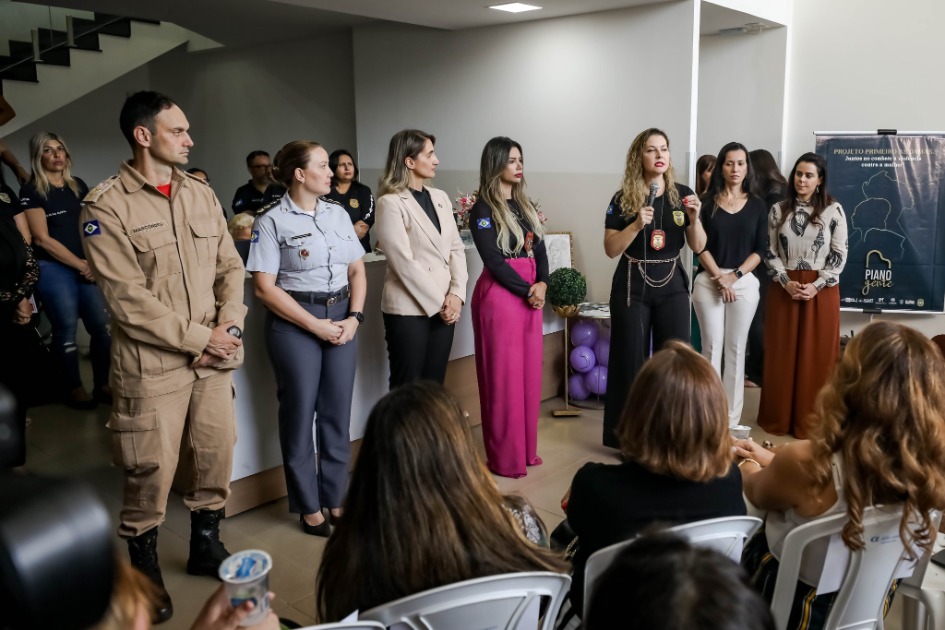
(566, 287)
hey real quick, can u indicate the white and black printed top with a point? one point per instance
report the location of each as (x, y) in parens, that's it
(799, 244)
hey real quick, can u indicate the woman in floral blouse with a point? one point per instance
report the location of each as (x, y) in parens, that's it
(806, 253)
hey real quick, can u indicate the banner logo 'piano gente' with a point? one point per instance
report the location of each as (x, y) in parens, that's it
(880, 277)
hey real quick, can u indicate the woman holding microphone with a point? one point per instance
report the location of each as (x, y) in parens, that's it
(425, 285)
(648, 221)
(506, 309)
(307, 270)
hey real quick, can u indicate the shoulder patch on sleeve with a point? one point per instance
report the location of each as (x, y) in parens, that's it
(91, 228)
(96, 192)
(255, 236)
(484, 223)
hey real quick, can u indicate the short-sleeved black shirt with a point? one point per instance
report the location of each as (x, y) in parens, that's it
(62, 207)
(485, 235)
(672, 220)
(731, 238)
(358, 202)
(248, 199)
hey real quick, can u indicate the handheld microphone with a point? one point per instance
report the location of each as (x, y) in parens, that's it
(654, 188)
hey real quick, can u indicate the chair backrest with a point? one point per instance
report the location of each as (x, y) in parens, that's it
(497, 602)
(726, 535)
(350, 625)
(866, 574)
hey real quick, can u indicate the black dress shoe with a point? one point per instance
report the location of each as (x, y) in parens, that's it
(323, 529)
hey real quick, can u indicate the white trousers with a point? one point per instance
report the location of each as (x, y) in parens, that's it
(724, 327)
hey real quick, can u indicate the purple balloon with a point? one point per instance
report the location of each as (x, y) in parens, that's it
(577, 390)
(596, 380)
(602, 350)
(583, 359)
(584, 333)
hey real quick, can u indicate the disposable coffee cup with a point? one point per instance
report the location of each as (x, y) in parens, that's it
(740, 431)
(246, 575)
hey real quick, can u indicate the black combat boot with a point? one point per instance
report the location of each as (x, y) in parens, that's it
(207, 553)
(143, 553)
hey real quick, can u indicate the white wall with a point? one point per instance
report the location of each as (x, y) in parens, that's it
(741, 91)
(260, 97)
(858, 66)
(774, 10)
(235, 100)
(574, 91)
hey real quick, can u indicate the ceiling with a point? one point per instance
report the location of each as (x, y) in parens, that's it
(237, 23)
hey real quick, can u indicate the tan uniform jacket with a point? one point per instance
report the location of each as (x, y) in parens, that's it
(423, 264)
(169, 273)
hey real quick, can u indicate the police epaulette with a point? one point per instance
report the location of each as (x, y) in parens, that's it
(195, 178)
(96, 192)
(327, 200)
(266, 208)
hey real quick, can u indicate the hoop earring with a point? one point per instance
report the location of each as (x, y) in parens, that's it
(817, 190)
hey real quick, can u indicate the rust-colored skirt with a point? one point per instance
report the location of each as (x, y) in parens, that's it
(802, 342)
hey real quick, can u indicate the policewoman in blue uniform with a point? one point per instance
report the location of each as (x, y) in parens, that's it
(307, 270)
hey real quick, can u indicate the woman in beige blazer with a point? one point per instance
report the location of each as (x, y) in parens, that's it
(425, 285)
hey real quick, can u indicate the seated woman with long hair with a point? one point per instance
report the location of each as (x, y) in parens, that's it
(422, 510)
(678, 463)
(880, 441)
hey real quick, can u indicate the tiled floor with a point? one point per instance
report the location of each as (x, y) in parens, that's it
(66, 442)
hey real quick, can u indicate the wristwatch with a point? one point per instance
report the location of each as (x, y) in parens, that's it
(235, 331)
(738, 273)
(358, 315)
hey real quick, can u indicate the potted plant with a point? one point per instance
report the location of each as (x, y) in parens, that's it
(566, 289)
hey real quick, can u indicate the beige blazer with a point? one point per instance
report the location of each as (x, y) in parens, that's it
(423, 265)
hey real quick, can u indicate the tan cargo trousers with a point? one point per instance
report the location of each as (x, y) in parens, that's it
(198, 423)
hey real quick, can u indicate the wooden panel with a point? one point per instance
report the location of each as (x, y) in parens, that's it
(252, 491)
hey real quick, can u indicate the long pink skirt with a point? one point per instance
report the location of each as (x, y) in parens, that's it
(508, 367)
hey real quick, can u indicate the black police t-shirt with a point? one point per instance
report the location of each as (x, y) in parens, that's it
(62, 207)
(671, 219)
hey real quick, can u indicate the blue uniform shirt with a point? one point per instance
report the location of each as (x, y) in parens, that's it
(304, 252)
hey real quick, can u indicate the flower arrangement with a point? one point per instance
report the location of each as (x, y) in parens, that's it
(464, 203)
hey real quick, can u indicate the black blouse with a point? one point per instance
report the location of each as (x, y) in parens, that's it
(426, 202)
(731, 238)
(486, 237)
(673, 220)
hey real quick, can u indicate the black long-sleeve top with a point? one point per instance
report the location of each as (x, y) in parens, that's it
(18, 269)
(486, 237)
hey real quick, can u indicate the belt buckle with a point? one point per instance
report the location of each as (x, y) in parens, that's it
(331, 300)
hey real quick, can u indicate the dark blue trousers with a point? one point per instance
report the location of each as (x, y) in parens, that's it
(315, 379)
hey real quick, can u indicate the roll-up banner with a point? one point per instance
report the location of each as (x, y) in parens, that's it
(891, 188)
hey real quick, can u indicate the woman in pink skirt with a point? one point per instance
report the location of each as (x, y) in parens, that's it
(506, 309)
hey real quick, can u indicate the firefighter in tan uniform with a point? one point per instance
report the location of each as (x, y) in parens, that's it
(157, 243)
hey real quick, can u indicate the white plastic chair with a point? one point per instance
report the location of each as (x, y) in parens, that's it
(497, 602)
(350, 625)
(867, 574)
(926, 586)
(727, 535)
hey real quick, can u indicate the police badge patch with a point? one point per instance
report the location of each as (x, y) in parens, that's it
(91, 228)
(354, 203)
(679, 217)
(5, 198)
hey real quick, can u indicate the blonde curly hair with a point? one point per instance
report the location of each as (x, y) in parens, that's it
(633, 190)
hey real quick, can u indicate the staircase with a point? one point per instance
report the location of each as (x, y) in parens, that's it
(70, 63)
